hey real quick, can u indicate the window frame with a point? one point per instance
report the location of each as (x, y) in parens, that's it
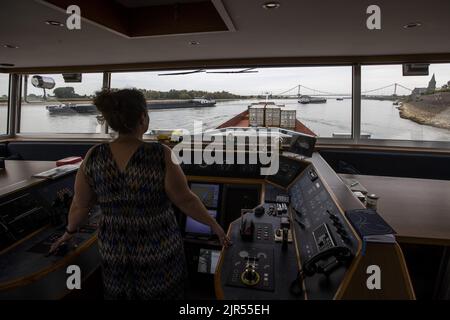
(388, 143)
(7, 133)
(319, 139)
(57, 136)
(352, 142)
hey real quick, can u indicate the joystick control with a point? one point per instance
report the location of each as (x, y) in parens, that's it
(250, 276)
(247, 228)
(259, 211)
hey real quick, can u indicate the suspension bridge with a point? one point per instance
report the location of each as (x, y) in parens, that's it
(388, 92)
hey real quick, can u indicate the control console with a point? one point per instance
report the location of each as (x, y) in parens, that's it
(326, 242)
(254, 261)
(296, 245)
(31, 220)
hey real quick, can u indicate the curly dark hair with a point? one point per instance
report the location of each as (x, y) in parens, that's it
(122, 109)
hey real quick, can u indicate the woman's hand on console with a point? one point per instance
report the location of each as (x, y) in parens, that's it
(223, 238)
(60, 241)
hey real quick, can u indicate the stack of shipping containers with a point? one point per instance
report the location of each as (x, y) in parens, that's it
(271, 115)
(288, 118)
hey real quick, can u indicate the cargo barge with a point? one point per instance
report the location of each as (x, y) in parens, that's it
(268, 114)
(73, 108)
(308, 99)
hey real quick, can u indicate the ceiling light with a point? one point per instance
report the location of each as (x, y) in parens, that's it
(54, 23)
(412, 25)
(194, 43)
(6, 65)
(10, 46)
(271, 5)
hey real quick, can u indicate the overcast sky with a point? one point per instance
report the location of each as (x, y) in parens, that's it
(274, 80)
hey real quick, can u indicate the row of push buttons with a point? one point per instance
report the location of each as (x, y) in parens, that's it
(262, 233)
(266, 280)
(235, 276)
(339, 227)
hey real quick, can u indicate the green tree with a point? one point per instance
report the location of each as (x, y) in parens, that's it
(65, 93)
(187, 94)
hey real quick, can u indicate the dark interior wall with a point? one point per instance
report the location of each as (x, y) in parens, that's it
(46, 151)
(427, 266)
(3, 150)
(382, 163)
(389, 163)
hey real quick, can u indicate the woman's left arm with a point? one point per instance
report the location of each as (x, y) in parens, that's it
(83, 200)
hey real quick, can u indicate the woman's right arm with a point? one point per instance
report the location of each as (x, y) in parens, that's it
(83, 200)
(178, 191)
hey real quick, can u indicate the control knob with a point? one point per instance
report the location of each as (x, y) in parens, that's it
(250, 277)
(259, 211)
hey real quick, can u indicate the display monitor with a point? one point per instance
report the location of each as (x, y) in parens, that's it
(207, 260)
(208, 193)
(195, 227)
(302, 144)
(288, 170)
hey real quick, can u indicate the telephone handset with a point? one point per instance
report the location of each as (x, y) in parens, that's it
(342, 255)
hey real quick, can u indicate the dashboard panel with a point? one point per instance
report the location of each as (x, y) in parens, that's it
(223, 170)
(319, 225)
(299, 230)
(287, 232)
(289, 169)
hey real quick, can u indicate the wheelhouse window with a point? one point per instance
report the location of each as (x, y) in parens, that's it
(400, 107)
(319, 97)
(60, 103)
(4, 92)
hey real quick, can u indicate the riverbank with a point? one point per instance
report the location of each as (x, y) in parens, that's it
(432, 110)
(84, 101)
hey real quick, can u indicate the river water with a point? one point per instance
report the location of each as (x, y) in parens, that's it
(380, 119)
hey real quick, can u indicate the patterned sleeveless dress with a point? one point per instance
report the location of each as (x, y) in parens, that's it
(139, 238)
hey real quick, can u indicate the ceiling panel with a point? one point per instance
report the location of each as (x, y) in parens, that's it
(304, 28)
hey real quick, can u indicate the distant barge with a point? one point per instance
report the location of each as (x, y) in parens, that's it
(308, 99)
(73, 108)
(175, 104)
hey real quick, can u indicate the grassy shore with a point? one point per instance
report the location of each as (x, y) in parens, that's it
(432, 110)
